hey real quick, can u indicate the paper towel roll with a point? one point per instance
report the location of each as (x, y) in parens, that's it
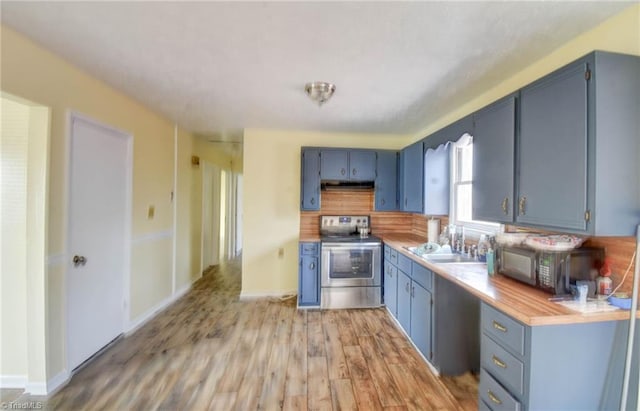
(433, 230)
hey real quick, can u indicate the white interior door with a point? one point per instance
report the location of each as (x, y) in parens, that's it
(99, 204)
(210, 215)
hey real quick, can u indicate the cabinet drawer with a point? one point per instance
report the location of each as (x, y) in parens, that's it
(503, 329)
(422, 276)
(393, 256)
(309, 248)
(404, 263)
(503, 366)
(387, 252)
(494, 395)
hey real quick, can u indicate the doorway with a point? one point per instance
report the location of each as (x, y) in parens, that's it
(211, 211)
(99, 236)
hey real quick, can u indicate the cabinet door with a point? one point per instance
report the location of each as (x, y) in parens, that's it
(386, 196)
(421, 319)
(552, 184)
(391, 288)
(404, 301)
(310, 190)
(362, 165)
(412, 178)
(493, 162)
(334, 164)
(309, 287)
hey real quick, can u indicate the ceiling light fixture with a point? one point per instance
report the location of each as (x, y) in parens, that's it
(319, 91)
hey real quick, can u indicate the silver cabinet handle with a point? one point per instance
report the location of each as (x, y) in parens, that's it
(382, 201)
(313, 200)
(312, 266)
(354, 172)
(343, 171)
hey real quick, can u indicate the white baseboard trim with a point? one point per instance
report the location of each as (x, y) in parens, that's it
(13, 381)
(58, 381)
(244, 295)
(36, 388)
(155, 310)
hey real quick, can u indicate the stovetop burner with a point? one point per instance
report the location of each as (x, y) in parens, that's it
(344, 229)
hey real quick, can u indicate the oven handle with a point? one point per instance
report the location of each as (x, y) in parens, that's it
(350, 246)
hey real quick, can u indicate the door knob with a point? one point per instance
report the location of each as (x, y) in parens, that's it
(79, 260)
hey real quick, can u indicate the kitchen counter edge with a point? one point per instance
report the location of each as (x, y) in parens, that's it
(522, 302)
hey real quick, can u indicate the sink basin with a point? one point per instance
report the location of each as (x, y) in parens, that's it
(443, 258)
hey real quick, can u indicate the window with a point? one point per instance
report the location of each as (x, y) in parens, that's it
(461, 188)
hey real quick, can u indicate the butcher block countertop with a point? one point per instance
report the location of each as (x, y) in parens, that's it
(522, 302)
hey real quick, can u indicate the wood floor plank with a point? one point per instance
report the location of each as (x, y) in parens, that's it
(385, 385)
(209, 350)
(319, 393)
(342, 397)
(366, 394)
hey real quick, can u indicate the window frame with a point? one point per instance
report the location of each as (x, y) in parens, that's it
(473, 227)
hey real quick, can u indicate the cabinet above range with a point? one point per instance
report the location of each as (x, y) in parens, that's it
(338, 168)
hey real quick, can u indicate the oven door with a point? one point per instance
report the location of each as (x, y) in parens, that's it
(350, 265)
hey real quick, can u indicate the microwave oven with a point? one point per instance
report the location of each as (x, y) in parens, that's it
(551, 271)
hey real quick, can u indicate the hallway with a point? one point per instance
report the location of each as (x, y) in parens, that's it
(211, 351)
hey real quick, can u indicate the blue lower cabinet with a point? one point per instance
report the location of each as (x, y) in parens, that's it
(404, 302)
(309, 275)
(421, 319)
(391, 288)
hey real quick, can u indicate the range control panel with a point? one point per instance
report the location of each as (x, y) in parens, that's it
(342, 224)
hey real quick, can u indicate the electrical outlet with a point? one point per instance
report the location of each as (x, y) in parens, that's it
(151, 212)
(280, 252)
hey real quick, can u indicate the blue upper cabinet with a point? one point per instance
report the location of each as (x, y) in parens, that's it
(493, 161)
(310, 188)
(386, 195)
(577, 151)
(412, 177)
(334, 164)
(345, 164)
(362, 165)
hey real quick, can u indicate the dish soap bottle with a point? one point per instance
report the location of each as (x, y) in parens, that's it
(491, 270)
(604, 283)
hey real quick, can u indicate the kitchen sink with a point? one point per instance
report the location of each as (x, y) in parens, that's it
(443, 258)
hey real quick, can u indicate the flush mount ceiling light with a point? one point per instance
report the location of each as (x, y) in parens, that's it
(319, 91)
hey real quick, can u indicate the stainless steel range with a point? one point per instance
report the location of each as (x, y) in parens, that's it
(350, 263)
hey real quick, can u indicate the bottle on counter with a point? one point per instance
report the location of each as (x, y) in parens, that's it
(491, 262)
(483, 247)
(604, 285)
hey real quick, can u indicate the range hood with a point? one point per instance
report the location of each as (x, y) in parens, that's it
(334, 185)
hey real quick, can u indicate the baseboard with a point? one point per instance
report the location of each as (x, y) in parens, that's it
(266, 294)
(155, 310)
(36, 388)
(57, 382)
(13, 381)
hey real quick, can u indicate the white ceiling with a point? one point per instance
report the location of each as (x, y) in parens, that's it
(219, 67)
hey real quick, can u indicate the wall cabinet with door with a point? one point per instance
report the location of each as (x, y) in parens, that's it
(310, 176)
(348, 164)
(309, 274)
(412, 177)
(493, 161)
(386, 183)
(576, 150)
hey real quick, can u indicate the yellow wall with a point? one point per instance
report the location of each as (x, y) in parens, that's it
(13, 238)
(620, 34)
(271, 202)
(31, 72)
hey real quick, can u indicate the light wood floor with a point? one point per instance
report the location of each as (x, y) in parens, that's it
(211, 351)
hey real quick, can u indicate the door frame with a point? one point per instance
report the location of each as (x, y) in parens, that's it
(126, 269)
(210, 173)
